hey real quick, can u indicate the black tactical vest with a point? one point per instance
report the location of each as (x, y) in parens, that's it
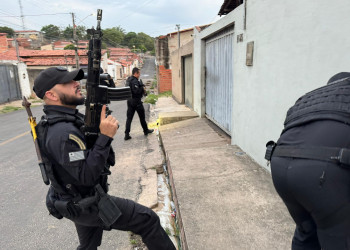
(330, 102)
(41, 129)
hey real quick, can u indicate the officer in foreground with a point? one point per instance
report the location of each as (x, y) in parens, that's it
(135, 104)
(77, 175)
(310, 166)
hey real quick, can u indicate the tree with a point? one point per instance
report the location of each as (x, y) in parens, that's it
(10, 32)
(80, 32)
(51, 31)
(113, 36)
(130, 40)
(69, 47)
(146, 41)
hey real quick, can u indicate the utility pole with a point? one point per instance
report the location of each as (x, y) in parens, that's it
(16, 44)
(75, 43)
(178, 34)
(22, 16)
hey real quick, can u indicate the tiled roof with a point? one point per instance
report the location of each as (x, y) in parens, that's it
(8, 55)
(55, 61)
(26, 31)
(47, 57)
(119, 49)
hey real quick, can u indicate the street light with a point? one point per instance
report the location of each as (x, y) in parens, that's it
(92, 14)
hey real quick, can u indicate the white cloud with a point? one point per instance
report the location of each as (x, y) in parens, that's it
(154, 17)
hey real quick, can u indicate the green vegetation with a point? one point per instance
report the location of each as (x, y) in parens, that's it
(52, 32)
(9, 31)
(154, 84)
(69, 47)
(152, 98)
(137, 42)
(37, 101)
(167, 230)
(112, 37)
(115, 37)
(165, 94)
(133, 242)
(67, 33)
(8, 109)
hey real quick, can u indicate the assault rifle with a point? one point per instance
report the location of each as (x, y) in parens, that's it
(98, 94)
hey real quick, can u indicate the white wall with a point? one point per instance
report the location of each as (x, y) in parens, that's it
(298, 46)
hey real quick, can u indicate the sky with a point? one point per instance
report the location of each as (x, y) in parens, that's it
(153, 17)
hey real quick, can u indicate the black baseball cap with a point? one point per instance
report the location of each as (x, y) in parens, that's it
(338, 76)
(52, 76)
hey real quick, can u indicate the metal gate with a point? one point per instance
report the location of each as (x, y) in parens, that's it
(9, 84)
(219, 79)
(188, 80)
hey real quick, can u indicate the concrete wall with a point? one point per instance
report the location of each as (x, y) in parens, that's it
(163, 64)
(176, 59)
(173, 42)
(298, 46)
(24, 79)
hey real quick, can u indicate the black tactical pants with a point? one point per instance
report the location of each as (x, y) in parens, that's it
(319, 206)
(135, 105)
(135, 218)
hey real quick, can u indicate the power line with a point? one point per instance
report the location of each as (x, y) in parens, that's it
(39, 15)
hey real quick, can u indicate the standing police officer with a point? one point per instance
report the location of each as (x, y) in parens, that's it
(77, 173)
(135, 104)
(310, 166)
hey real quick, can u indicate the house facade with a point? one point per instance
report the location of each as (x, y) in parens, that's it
(253, 64)
(167, 58)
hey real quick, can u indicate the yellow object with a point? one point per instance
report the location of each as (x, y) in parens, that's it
(32, 124)
(154, 124)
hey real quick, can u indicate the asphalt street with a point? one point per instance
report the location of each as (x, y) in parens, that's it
(25, 221)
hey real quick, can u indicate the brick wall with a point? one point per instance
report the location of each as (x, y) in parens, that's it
(164, 79)
(3, 42)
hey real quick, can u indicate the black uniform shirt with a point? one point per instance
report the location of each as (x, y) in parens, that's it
(65, 144)
(325, 133)
(136, 88)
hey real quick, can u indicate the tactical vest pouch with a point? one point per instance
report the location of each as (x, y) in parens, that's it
(68, 209)
(50, 200)
(270, 147)
(108, 209)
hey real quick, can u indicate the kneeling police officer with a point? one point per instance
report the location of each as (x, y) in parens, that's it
(310, 166)
(78, 175)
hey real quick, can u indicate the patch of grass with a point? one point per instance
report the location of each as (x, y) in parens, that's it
(133, 242)
(151, 98)
(165, 94)
(167, 230)
(154, 84)
(37, 101)
(8, 109)
(136, 242)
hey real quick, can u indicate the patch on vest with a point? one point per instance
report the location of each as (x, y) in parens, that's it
(78, 141)
(76, 156)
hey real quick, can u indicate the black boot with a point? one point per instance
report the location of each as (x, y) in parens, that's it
(127, 137)
(148, 131)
